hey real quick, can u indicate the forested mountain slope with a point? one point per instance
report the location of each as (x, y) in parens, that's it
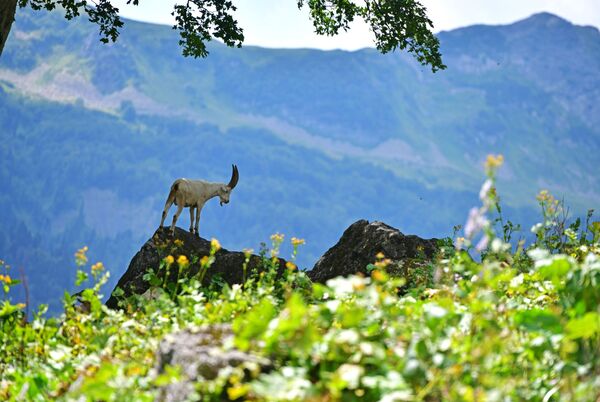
(93, 135)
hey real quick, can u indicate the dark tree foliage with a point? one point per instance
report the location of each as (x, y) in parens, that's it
(199, 20)
(102, 13)
(396, 24)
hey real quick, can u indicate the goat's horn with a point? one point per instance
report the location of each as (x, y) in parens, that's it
(234, 177)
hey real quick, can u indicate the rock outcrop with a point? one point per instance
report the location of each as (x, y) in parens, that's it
(228, 264)
(362, 241)
(356, 249)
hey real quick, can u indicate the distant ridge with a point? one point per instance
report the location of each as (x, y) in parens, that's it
(362, 105)
(544, 18)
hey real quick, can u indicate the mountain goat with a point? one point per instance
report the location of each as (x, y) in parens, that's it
(193, 194)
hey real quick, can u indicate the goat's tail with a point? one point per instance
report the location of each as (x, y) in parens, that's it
(171, 197)
(170, 201)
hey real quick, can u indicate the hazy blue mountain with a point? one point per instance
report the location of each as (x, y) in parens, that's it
(93, 135)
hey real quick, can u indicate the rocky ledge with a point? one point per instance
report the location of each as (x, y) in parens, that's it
(228, 264)
(358, 247)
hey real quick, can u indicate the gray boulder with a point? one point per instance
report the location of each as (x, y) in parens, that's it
(200, 354)
(362, 241)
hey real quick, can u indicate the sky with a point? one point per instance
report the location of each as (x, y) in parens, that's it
(279, 23)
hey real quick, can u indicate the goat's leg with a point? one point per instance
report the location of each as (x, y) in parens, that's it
(164, 215)
(179, 209)
(198, 210)
(192, 209)
(168, 204)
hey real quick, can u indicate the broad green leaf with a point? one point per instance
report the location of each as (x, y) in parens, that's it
(584, 327)
(253, 324)
(557, 268)
(538, 320)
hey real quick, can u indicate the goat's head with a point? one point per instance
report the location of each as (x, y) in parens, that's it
(225, 190)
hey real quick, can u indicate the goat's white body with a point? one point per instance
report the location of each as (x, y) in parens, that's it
(193, 194)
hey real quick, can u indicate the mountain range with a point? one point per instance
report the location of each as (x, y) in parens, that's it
(93, 135)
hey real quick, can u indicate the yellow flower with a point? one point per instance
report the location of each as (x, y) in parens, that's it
(494, 161)
(237, 390)
(135, 370)
(80, 257)
(204, 260)
(380, 255)
(277, 237)
(169, 259)
(183, 261)
(97, 267)
(383, 263)
(296, 242)
(544, 196)
(215, 245)
(178, 242)
(290, 265)
(6, 279)
(378, 275)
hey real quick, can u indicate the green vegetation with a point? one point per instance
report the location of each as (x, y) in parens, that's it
(521, 324)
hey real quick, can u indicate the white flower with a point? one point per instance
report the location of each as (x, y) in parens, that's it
(397, 396)
(349, 336)
(483, 243)
(344, 287)
(350, 374)
(516, 281)
(475, 222)
(499, 246)
(485, 190)
(538, 254)
(366, 348)
(332, 305)
(434, 310)
(536, 228)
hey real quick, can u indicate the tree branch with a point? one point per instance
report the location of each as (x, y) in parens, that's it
(396, 24)
(7, 16)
